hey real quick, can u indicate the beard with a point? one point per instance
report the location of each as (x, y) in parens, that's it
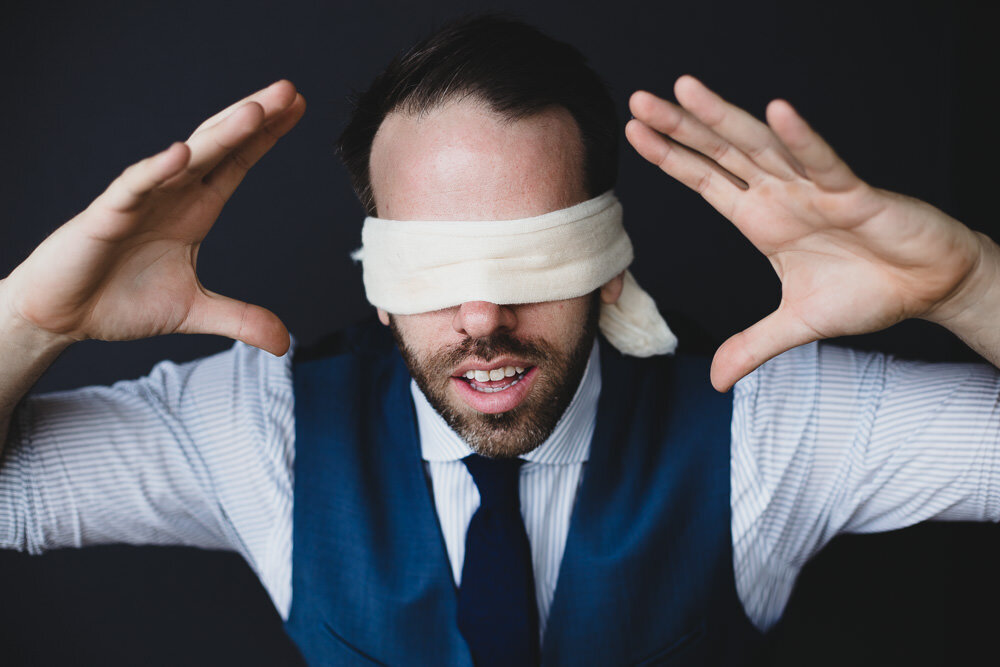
(522, 429)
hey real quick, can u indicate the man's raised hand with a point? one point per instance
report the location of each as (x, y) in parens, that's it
(124, 268)
(851, 258)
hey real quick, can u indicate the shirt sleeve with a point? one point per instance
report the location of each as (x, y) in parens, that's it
(828, 440)
(196, 454)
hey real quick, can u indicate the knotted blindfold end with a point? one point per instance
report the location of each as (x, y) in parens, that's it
(418, 266)
(633, 324)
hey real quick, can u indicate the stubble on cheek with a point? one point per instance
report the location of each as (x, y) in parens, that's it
(523, 428)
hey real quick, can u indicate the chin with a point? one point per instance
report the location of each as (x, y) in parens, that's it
(502, 394)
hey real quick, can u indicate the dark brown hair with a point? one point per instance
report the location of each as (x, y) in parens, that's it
(514, 68)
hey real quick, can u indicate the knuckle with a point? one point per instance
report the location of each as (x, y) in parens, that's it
(217, 192)
(270, 130)
(720, 150)
(240, 160)
(673, 123)
(193, 171)
(759, 148)
(665, 157)
(703, 183)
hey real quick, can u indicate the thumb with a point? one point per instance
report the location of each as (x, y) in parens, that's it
(213, 313)
(745, 351)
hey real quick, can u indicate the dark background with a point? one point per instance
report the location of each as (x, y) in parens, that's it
(899, 89)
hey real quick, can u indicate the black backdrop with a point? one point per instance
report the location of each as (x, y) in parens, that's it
(899, 89)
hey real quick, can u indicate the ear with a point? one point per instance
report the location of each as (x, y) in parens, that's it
(383, 316)
(611, 290)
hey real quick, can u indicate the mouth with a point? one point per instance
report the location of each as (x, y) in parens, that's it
(495, 387)
(495, 379)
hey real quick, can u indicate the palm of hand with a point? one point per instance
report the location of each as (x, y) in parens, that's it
(853, 262)
(116, 275)
(125, 268)
(851, 258)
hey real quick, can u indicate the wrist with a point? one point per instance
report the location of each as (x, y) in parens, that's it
(17, 333)
(975, 304)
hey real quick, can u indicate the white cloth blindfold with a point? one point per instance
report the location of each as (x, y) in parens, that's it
(417, 266)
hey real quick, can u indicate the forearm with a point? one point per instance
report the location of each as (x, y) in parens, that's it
(25, 353)
(144, 462)
(973, 313)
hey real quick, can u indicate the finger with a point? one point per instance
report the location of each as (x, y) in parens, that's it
(719, 188)
(215, 314)
(822, 165)
(681, 126)
(273, 99)
(129, 190)
(745, 351)
(210, 146)
(737, 126)
(214, 140)
(230, 172)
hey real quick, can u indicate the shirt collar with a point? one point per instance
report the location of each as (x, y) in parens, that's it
(568, 443)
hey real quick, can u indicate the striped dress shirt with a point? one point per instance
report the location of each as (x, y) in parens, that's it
(825, 440)
(548, 482)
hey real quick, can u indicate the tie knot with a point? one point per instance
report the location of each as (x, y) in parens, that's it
(496, 479)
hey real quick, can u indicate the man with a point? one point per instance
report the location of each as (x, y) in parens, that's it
(655, 512)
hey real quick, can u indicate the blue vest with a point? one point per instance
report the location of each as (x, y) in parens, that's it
(646, 577)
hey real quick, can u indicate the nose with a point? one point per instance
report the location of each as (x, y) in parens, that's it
(478, 319)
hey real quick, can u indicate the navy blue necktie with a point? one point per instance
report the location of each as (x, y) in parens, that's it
(497, 611)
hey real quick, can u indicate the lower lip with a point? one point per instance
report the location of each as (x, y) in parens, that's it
(496, 402)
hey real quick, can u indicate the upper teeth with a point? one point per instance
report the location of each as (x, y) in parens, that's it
(494, 374)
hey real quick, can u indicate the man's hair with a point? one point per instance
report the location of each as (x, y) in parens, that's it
(513, 68)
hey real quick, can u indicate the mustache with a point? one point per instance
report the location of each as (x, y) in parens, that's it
(491, 347)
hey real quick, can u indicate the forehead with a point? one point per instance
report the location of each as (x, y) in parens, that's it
(461, 161)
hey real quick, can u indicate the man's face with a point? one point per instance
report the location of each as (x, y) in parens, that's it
(461, 162)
